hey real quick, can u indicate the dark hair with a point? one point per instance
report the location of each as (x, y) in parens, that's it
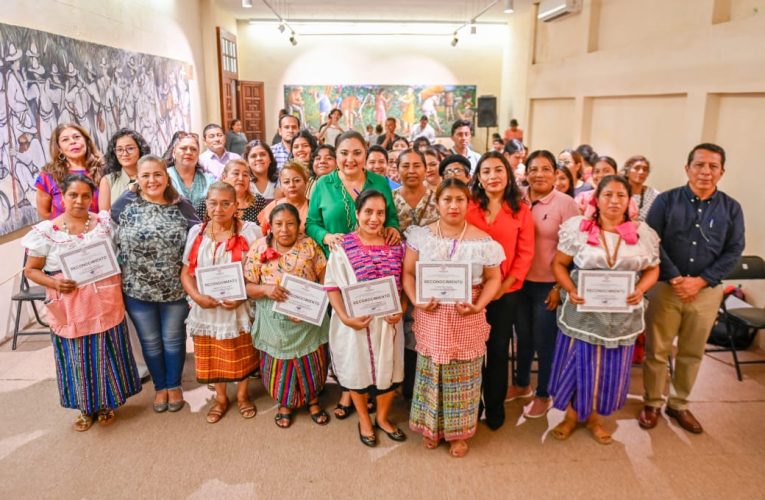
(378, 129)
(281, 207)
(391, 119)
(335, 110)
(273, 171)
(424, 117)
(171, 163)
(512, 194)
(513, 122)
(453, 159)
(712, 148)
(588, 154)
(367, 195)
(417, 143)
(376, 148)
(442, 151)
(287, 115)
(432, 151)
(72, 178)
(632, 160)
(610, 161)
(168, 154)
(308, 137)
(514, 146)
(398, 139)
(563, 168)
(542, 153)
(315, 154)
(170, 194)
(410, 151)
(577, 158)
(210, 126)
(461, 123)
(455, 183)
(112, 165)
(231, 123)
(351, 134)
(602, 184)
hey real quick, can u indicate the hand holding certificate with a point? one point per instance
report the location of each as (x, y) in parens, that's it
(90, 263)
(605, 291)
(373, 298)
(306, 301)
(222, 282)
(446, 282)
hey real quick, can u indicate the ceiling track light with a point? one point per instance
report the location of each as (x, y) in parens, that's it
(473, 29)
(508, 8)
(455, 40)
(247, 4)
(293, 40)
(281, 27)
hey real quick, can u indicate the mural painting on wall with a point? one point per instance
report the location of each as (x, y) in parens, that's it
(47, 79)
(364, 105)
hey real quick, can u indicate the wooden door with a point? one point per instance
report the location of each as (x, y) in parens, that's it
(228, 73)
(251, 104)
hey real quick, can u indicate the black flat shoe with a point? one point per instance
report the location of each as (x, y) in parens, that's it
(396, 435)
(370, 441)
(347, 411)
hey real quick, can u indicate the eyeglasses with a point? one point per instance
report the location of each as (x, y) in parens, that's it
(129, 150)
(454, 171)
(182, 134)
(215, 204)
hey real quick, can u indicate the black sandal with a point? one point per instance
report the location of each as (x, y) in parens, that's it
(370, 441)
(279, 417)
(396, 435)
(347, 411)
(321, 417)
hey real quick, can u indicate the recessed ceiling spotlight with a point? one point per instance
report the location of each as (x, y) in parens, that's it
(508, 9)
(247, 4)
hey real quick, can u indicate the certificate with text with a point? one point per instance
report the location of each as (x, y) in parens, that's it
(372, 298)
(306, 300)
(605, 291)
(90, 263)
(222, 282)
(447, 282)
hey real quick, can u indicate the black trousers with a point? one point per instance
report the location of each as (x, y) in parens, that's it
(501, 315)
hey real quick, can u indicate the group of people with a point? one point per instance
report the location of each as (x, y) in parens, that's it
(349, 212)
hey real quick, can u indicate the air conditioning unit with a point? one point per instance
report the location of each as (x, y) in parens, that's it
(555, 9)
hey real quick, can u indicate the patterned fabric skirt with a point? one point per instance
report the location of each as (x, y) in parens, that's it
(229, 360)
(589, 377)
(294, 382)
(446, 398)
(96, 372)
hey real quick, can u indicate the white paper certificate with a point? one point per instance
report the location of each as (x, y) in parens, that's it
(307, 301)
(605, 291)
(447, 282)
(90, 263)
(372, 298)
(222, 282)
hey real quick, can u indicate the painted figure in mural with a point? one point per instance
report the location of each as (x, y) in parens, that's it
(429, 109)
(449, 106)
(350, 107)
(30, 158)
(381, 105)
(19, 115)
(105, 86)
(408, 113)
(41, 91)
(295, 103)
(322, 101)
(95, 112)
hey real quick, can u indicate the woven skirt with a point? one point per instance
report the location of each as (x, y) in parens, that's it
(229, 360)
(96, 372)
(294, 382)
(589, 377)
(446, 398)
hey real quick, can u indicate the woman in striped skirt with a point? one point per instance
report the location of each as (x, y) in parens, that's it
(220, 327)
(593, 353)
(95, 369)
(293, 361)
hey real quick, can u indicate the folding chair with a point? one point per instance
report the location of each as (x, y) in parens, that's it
(31, 294)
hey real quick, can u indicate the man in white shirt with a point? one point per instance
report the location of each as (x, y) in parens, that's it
(423, 129)
(462, 133)
(215, 157)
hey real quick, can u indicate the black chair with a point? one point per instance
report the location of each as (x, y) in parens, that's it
(31, 294)
(748, 319)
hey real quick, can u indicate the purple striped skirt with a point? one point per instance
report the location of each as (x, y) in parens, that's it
(589, 377)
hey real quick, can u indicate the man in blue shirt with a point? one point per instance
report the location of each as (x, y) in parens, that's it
(289, 126)
(702, 238)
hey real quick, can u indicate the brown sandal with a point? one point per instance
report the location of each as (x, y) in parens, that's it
(601, 435)
(247, 409)
(430, 444)
(458, 449)
(83, 422)
(563, 430)
(106, 417)
(216, 412)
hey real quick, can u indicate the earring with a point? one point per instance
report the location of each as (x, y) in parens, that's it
(61, 157)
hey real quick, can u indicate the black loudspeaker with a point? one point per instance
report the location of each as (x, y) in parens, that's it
(487, 111)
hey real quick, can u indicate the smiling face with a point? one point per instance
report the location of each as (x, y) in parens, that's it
(258, 161)
(293, 186)
(452, 206)
(540, 175)
(493, 176)
(221, 205)
(153, 180)
(301, 149)
(351, 157)
(238, 175)
(400, 145)
(186, 153)
(288, 128)
(567, 160)
(77, 199)
(72, 144)
(704, 172)
(285, 228)
(613, 201)
(600, 170)
(377, 163)
(371, 216)
(431, 170)
(561, 181)
(324, 163)
(127, 151)
(411, 170)
(215, 140)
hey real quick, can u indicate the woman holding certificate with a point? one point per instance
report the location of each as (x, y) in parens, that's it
(331, 210)
(293, 359)
(451, 334)
(219, 320)
(603, 308)
(497, 209)
(95, 369)
(365, 336)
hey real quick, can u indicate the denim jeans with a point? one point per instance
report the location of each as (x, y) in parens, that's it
(162, 331)
(537, 329)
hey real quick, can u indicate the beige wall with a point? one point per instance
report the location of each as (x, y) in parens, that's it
(167, 28)
(265, 56)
